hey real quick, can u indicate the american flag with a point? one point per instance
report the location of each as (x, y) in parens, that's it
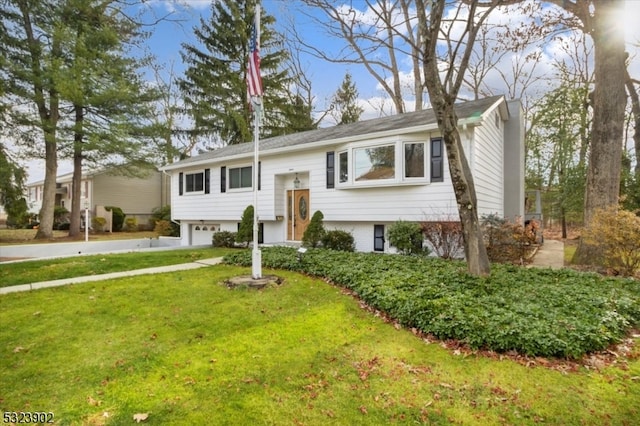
(254, 80)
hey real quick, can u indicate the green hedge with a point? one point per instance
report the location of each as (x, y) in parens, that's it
(536, 312)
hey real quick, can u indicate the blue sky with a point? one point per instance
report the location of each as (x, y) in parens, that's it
(166, 38)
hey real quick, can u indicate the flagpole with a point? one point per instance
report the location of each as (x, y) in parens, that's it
(256, 258)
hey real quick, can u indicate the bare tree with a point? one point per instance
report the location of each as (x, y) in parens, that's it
(376, 39)
(444, 70)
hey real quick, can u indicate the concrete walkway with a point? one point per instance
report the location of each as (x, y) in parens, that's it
(549, 255)
(157, 270)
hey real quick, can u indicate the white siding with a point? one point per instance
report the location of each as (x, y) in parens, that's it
(353, 208)
(488, 173)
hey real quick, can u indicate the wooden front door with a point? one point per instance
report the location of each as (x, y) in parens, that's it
(298, 217)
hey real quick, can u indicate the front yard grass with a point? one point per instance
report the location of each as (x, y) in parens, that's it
(68, 267)
(183, 349)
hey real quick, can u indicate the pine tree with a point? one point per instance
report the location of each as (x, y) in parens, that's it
(346, 109)
(214, 85)
(67, 60)
(107, 95)
(245, 231)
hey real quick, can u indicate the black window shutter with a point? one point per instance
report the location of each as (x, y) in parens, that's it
(331, 172)
(378, 237)
(180, 183)
(437, 160)
(207, 177)
(259, 174)
(223, 179)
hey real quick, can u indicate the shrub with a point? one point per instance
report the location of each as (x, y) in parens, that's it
(445, 238)
(617, 232)
(131, 224)
(163, 228)
(60, 215)
(245, 232)
(507, 242)
(338, 240)
(98, 223)
(117, 217)
(164, 213)
(224, 239)
(315, 231)
(406, 237)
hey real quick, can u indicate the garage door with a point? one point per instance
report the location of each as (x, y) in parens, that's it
(202, 234)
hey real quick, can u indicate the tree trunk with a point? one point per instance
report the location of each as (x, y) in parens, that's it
(76, 193)
(76, 181)
(609, 101)
(45, 216)
(464, 189)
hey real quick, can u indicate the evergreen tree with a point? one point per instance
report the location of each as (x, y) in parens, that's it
(107, 96)
(245, 231)
(346, 109)
(214, 85)
(315, 231)
(12, 189)
(66, 62)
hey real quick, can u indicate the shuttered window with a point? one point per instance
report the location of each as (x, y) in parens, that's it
(223, 179)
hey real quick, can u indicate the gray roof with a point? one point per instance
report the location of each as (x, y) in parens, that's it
(465, 110)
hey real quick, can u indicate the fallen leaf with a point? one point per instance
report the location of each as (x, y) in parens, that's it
(363, 409)
(140, 417)
(18, 349)
(93, 402)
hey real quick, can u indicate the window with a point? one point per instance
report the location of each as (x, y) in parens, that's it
(375, 163)
(344, 167)
(378, 237)
(194, 182)
(240, 177)
(414, 160)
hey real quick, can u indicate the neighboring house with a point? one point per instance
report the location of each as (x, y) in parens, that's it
(362, 176)
(137, 197)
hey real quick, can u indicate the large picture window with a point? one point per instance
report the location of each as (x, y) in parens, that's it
(396, 162)
(240, 177)
(375, 163)
(194, 182)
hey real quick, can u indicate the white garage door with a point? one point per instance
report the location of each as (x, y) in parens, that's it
(202, 234)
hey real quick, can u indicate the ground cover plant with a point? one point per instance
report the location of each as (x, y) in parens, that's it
(33, 271)
(181, 348)
(536, 312)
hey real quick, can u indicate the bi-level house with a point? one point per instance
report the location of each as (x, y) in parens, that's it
(362, 176)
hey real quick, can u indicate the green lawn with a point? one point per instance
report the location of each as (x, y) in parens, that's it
(68, 267)
(184, 349)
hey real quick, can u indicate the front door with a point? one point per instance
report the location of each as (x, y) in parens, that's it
(298, 217)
